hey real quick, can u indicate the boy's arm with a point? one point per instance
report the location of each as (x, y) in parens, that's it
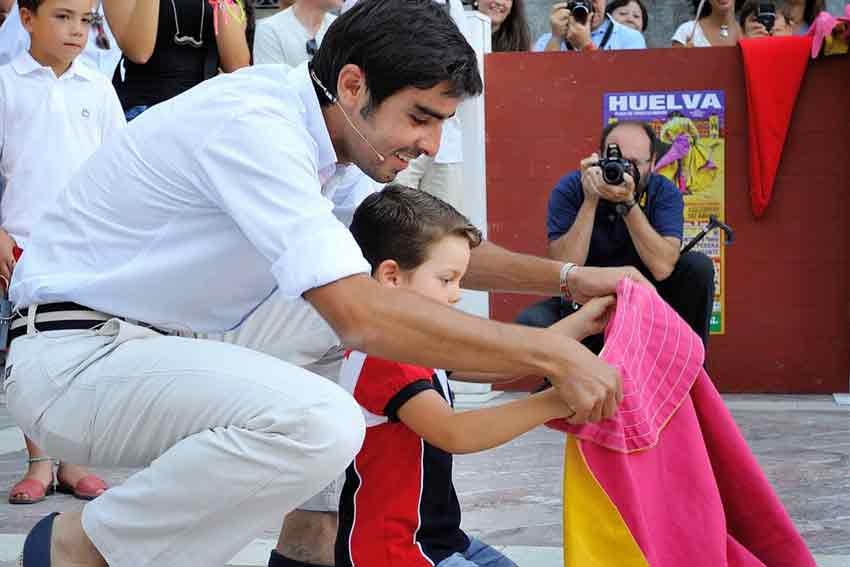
(431, 417)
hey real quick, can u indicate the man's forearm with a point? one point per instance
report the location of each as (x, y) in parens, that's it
(401, 325)
(574, 245)
(656, 252)
(493, 268)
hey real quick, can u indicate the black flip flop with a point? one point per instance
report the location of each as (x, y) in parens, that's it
(36, 551)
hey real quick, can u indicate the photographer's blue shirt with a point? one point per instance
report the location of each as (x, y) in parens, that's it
(622, 37)
(610, 242)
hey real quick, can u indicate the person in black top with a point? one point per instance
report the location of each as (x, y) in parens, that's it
(170, 46)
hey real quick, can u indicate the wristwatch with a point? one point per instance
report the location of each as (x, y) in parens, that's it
(624, 207)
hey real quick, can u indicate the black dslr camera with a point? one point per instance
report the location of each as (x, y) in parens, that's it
(614, 166)
(580, 10)
(766, 15)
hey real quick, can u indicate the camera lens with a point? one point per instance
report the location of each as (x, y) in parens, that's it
(612, 173)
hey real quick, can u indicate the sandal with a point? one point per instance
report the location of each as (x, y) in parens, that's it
(87, 488)
(31, 490)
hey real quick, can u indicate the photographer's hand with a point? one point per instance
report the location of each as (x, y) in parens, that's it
(578, 34)
(591, 175)
(753, 28)
(559, 20)
(617, 193)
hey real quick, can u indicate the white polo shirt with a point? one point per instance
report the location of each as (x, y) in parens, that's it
(200, 208)
(48, 127)
(14, 39)
(281, 38)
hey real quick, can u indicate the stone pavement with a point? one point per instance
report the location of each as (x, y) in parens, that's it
(511, 496)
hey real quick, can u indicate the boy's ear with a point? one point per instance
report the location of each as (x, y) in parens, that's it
(388, 273)
(26, 18)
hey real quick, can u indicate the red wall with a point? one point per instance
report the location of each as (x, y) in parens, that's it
(788, 274)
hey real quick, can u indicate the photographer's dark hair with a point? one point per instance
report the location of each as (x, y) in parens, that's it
(646, 127)
(812, 9)
(616, 4)
(398, 44)
(513, 34)
(400, 223)
(706, 9)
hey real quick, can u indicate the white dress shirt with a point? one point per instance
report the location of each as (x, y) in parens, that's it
(281, 38)
(48, 127)
(196, 212)
(14, 39)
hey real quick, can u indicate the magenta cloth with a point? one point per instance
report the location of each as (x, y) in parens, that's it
(678, 149)
(824, 25)
(644, 338)
(695, 495)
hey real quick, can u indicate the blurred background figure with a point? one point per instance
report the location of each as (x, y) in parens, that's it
(631, 13)
(714, 25)
(756, 24)
(294, 34)
(170, 46)
(508, 24)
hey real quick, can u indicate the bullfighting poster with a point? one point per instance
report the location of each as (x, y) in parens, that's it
(691, 130)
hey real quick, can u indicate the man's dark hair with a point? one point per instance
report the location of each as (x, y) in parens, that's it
(397, 44)
(647, 128)
(400, 223)
(616, 4)
(513, 34)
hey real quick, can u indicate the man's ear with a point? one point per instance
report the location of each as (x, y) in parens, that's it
(388, 273)
(350, 85)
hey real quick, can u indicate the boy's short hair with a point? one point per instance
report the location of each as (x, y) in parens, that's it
(400, 223)
(31, 5)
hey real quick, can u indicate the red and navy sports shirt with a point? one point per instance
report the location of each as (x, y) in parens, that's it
(398, 505)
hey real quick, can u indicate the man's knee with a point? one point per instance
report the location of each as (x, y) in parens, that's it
(541, 314)
(697, 269)
(334, 430)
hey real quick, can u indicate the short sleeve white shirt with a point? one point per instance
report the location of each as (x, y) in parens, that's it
(194, 214)
(451, 140)
(48, 127)
(683, 34)
(281, 38)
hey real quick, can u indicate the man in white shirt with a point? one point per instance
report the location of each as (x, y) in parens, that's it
(185, 223)
(293, 35)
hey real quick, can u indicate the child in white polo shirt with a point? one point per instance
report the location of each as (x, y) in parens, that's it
(54, 113)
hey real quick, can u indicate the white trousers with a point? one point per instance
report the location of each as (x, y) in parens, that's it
(231, 438)
(443, 180)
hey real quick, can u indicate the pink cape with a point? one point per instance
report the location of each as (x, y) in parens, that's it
(672, 460)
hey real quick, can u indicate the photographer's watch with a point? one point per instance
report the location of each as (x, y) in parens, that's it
(624, 207)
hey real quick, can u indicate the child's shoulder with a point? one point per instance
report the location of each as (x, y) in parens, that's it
(370, 364)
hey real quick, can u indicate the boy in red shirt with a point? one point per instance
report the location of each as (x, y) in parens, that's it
(398, 506)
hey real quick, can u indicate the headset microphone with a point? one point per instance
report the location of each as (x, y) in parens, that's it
(335, 101)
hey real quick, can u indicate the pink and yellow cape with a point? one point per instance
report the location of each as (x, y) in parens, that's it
(669, 481)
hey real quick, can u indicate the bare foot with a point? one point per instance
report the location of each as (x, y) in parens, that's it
(70, 475)
(70, 546)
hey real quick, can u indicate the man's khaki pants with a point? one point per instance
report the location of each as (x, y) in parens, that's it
(231, 438)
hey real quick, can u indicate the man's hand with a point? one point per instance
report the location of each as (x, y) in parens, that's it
(559, 19)
(591, 319)
(591, 387)
(7, 259)
(578, 34)
(585, 283)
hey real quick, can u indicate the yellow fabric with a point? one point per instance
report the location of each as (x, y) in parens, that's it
(595, 535)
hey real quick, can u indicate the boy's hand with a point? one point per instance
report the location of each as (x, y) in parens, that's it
(556, 407)
(7, 259)
(589, 320)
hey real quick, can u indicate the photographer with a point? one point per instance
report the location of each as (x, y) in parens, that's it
(635, 218)
(763, 19)
(583, 25)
